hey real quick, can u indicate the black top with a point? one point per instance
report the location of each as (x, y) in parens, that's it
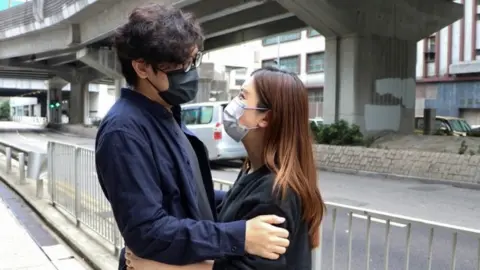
(251, 196)
(146, 174)
(202, 198)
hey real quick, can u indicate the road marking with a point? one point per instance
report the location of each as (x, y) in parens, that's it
(87, 200)
(382, 221)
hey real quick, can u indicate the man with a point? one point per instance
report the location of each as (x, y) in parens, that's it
(154, 172)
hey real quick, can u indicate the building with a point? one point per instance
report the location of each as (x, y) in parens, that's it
(4, 4)
(448, 72)
(448, 68)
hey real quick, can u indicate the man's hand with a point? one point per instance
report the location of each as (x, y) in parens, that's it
(265, 240)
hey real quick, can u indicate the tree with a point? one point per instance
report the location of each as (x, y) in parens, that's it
(5, 110)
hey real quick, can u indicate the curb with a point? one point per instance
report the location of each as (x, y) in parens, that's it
(95, 262)
(387, 176)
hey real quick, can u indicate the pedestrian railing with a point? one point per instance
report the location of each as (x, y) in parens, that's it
(74, 187)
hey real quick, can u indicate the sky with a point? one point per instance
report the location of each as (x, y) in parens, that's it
(4, 3)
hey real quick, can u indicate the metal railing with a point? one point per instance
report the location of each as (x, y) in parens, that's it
(31, 120)
(74, 188)
(30, 164)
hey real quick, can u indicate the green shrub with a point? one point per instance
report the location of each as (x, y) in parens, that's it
(5, 110)
(339, 133)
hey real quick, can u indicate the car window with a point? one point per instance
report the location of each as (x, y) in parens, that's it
(190, 116)
(206, 115)
(197, 115)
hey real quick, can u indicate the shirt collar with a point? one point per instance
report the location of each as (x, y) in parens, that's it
(150, 105)
(155, 108)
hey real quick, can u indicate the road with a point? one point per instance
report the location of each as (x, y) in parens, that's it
(440, 203)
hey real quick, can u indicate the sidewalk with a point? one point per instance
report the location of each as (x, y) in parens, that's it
(20, 251)
(93, 249)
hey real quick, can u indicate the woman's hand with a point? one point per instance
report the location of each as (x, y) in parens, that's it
(136, 263)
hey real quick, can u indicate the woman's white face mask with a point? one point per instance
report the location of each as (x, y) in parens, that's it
(231, 116)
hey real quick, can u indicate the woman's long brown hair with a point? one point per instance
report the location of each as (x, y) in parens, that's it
(288, 143)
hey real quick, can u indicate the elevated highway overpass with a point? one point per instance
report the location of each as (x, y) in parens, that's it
(370, 44)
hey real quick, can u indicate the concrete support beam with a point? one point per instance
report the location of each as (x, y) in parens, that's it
(102, 26)
(57, 38)
(251, 33)
(215, 9)
(370, 81)
(61, 60)
(404, 19)
(103, 60)
(244, 19)
(13, 64)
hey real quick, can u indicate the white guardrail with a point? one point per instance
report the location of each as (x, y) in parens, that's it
(31, 120)
(74, 188)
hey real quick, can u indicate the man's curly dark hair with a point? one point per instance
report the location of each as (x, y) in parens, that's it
(157, 34)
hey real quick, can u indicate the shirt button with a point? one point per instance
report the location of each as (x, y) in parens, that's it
(234, 248)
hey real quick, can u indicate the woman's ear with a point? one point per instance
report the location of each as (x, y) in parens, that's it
(265, 120)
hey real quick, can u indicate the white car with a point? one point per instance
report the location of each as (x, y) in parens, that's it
(205, 121)
(317, 120)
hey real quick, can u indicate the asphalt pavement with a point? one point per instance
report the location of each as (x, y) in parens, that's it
(431, 202)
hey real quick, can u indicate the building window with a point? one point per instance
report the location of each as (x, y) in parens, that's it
(312, 33)
(268, 63)
(315, 95)
(282, 38)
(289, 63)
(431, 47)
(239, 82)
(315, 62)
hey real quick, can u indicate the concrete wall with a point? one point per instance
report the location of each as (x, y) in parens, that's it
(399, 163)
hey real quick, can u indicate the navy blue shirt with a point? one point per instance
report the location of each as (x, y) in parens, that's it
(145, 173)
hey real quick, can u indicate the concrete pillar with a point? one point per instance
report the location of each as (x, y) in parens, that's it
(119, 84)
(370, 81)
(78, 101)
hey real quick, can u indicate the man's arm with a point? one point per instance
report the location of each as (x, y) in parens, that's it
(130, 176)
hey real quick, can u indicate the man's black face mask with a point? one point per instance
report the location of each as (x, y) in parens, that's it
(183, 87)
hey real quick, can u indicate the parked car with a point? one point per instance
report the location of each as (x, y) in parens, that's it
(205, 121)
(317, 120)
(449, 125)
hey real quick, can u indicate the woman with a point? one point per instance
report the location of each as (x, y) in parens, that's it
(270, 117)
